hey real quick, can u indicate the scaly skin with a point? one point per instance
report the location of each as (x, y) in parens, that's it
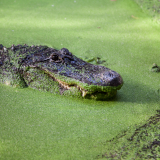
(57, 71)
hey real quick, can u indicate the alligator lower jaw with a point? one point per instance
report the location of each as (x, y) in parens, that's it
(101, 94)
(98, 93)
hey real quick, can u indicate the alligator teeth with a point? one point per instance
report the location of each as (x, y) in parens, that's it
(7, 83)
(4, 49)
(64, 85)
(83, 93)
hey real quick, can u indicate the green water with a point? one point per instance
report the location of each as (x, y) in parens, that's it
(38, 125)
(152, 7)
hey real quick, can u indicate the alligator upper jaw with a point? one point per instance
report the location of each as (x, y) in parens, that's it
(76, 70)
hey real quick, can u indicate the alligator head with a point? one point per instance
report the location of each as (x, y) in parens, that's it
(58, 71)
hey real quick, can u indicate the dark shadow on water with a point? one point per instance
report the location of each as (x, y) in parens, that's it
(137, 93)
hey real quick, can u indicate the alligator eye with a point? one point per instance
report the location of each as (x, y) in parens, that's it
(54, 58)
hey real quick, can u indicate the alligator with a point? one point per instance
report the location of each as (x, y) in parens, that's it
(56, 71)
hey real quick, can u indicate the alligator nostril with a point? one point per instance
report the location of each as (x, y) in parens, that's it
(113, 82)
(116, 81)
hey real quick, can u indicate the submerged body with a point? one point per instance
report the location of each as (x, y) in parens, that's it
(57, 71)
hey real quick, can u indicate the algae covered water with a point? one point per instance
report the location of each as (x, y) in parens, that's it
(38, 125)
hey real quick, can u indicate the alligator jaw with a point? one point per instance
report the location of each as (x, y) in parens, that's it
(91, 91)
(98, 92)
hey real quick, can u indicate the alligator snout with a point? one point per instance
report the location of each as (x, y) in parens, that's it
(112, 78)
